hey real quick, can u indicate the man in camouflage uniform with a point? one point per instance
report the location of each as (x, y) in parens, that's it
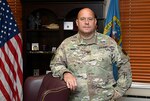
(84, 61)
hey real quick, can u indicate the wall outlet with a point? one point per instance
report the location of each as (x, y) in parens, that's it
(36, 72)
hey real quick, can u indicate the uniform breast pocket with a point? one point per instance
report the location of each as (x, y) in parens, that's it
(103, 57)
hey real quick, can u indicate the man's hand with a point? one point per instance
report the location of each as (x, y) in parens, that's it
(70, 81)
(116, 95)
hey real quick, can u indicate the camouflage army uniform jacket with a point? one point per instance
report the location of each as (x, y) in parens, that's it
(91, 64)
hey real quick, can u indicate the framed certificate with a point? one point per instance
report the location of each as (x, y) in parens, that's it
(68, 25)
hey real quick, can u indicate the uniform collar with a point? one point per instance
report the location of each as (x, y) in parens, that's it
(82, 41)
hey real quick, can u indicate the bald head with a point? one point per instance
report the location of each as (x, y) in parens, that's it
(85, 10)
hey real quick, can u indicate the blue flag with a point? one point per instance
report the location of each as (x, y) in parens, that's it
(113, 27)
(112, 22)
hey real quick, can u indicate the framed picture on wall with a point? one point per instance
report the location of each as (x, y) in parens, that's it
(35, 46)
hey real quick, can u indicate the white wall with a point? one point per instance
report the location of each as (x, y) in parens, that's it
(138, 91)
(106, 2)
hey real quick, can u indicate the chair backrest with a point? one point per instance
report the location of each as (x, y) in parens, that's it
(45, 88)
(57, 94)
(31, 87)
(53, 89)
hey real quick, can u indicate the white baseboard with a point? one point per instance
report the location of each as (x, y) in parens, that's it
(133, 99)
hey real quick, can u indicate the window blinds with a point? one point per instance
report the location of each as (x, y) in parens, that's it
(135, 23)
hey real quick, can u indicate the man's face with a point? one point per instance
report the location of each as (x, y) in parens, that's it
(86, 21)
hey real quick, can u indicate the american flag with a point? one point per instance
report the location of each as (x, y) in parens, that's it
(11, 69)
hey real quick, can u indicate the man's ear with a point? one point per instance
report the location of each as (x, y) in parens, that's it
(95, 21)
(77, 21)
